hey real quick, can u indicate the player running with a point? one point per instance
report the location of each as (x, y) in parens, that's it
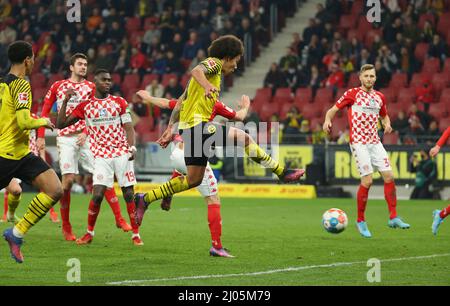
(13, 192)
(208, 187)
(365, 106)
(112, 141)
(16, 160)
(71, 141)
(193, 111)
(439, 215)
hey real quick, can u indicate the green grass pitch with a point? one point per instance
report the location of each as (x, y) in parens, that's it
(265, 235)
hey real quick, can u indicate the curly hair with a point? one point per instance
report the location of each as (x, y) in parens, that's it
(227, 46)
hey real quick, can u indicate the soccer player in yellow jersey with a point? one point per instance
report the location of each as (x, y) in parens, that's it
(16, 160)
(193, 112)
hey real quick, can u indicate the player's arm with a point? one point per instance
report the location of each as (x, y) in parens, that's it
(49, 100)
(441, 142)
(63, 120)
(148, 99)
(125, 118)
(21, 94)
(166, 137)
(208, 66)
(385, 120)
(328, 118)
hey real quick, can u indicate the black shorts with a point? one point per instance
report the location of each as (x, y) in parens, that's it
(200, 141)
(26, 169)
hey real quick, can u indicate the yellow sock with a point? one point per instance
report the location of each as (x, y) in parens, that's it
(261, 157)
(37, 209)
(175, 185)
(13, 202)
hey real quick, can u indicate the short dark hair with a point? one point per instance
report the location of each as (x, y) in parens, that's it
(226, 46)
(76, 56)
(18, 51)
(100, 71)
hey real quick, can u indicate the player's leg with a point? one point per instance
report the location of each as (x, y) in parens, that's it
(258, 155)
(38, 172)
(438, 217)
(380, 160)
(14, 195)
(94, 209)
(124, 170)
(5, 206)
(362, 158)
(210, 192)
(87, 162)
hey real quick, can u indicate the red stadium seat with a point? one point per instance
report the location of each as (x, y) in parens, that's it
(185, 79)
(285, 108)
(398, 80)
(347, 22)
(353, 81)
(38, 93)
(148, 78)
(304, 94)
(444, 24)
(438, 111)
(133, 24)
(444, 124)
(421, 51)
(418, 78)
(144, 125)
(446, 68)
(38, 80)
(55, 78)
(309, 112)
(284, 93)
(267, 110)
(315, 121)
(440, 81)
(355, 33)
(264, 93)
(339, 93)
(116, 79)
(166, 78)
(390, 139)
(431, 65)
(323, 94)
(364, 26)
(129, 81)
(406, 95)
(357, 8)
(390, 94)
(339, 124)
(370, 36)
(426, 17)
(445, 96)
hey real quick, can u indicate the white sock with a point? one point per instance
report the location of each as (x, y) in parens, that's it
(17, 233)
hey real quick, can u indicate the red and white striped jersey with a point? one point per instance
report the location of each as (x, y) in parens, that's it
(84, 90)
(104, 124)
(364, 110)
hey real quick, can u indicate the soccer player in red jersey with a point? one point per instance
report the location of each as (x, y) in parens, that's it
(112, 142)
(365, 106)
(72, 141)
(208, 187)
(439, 215)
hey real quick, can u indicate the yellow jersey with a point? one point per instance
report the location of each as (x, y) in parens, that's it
(196, 108)
(15, 95)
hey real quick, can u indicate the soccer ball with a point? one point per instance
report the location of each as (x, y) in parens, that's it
(334, 220)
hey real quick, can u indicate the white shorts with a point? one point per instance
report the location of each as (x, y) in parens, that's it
(105, 168)
(209, 186)
(370, 156)
(70, 154)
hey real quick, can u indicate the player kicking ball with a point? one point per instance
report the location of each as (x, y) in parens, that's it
(112, 141)
(208, 188)
(439, 215)
(192, 114)
(365, 107)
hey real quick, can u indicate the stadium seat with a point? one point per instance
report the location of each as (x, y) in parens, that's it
(370, 36)
(446, 68)
(438, 111)
(133, 24)
(310, 112)
(398, 80)
(421, 51)
(390, 94)
(431, 65)
(363, 27)
(347, 22)
(129, 81)
(148, 78)
(357, 8)
(314, 121)
(390, 139)
(339, 93)
(264, 93)
(440, 81)
(426, 17)
(339, 124)
(443, 24)
(144, 125)
(325, 94)
(38, 93)
(284, 93)
(355, 33)
(150, 136)
(444, 123)
(55, 78)
(267, 110)
(116, 79)
(166, 78)
(418, 78)
(285, 109)
(445, 96)
(304, 94)
(353, 81)
(38, 80)
(185, 79)
(406, 95)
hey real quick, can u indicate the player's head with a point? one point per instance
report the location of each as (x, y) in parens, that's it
(228, 48)
(78, 65)
(102, 81)
(21, 53)
(367, 76)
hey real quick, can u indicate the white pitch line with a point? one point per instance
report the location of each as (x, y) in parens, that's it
(290, 269)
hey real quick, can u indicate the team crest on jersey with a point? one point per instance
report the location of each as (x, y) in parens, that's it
(102, 112)
(23, 97)
(211, 129)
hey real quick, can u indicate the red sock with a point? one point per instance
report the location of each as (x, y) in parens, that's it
(113, 201)
(361, 198)
(390, 195)
(445, 212)
(5, 204)
(92, 215)
(175, 174)
(131, 208)
(215, 225)
(65, 208)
